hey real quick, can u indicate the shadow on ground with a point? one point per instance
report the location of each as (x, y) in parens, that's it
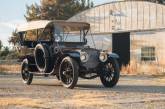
(125, 88)
(118, 88)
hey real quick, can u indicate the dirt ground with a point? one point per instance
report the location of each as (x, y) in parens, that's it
(132, 92)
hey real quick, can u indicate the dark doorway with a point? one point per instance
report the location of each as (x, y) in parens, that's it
(121, 46)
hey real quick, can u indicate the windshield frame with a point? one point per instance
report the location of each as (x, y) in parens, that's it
(62, 32)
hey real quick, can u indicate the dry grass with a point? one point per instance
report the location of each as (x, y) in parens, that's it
(89, 100)
(10, 68)
(135, 68)
(24, 102)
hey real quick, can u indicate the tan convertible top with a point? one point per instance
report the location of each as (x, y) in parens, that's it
(44, 23)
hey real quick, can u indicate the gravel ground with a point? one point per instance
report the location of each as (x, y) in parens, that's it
(132, 92)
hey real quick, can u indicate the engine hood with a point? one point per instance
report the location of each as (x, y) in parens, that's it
(79, 49)
(93, 58)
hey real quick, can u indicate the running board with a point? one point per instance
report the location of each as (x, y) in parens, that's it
(43, 73)
(40, 74)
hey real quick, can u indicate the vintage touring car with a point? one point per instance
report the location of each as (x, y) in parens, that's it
(59, 48)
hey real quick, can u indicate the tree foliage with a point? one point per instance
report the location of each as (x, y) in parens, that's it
(4, 52)
(7, 54)
(1, 45)
(33, 12)
(155, 1)
(56, 9)
(158, 1)
(15, 39)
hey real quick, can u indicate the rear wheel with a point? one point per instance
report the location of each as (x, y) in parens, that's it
(110, 74)
(26, 75)
(69, 72)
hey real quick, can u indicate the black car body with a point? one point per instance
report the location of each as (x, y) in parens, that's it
(60, 48)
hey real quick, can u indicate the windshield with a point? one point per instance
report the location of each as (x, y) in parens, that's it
(68, 33)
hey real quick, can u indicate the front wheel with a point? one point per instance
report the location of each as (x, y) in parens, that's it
(68, 72)
(110, 73)
(26, 75)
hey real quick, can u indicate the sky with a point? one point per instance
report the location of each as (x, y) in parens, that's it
(12, 14)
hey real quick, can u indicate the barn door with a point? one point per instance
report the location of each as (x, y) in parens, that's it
(121, 46)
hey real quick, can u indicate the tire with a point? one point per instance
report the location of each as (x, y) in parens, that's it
(43, 58)
(68, 72)
(27, 77)
(110, 76)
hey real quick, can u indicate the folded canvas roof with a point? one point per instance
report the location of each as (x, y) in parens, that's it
(44, 23)
(33, 25)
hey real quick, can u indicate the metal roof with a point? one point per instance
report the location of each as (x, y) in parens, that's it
(123, 16)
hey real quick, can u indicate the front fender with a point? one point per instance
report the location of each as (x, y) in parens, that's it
(113, 55)
(73, 55)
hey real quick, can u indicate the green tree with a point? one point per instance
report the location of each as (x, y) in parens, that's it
(15, 39)
(51, 9)
(33, 12)
(157, 1)
(56, 9)
(1, 45)
(75, 7)
(4, 52)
